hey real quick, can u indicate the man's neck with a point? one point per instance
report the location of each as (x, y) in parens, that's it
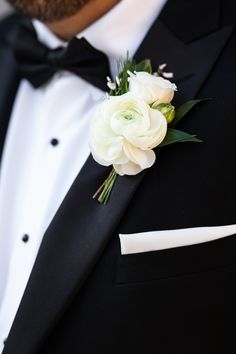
(68, 28)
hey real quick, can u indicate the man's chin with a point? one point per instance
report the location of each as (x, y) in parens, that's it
(48, 11)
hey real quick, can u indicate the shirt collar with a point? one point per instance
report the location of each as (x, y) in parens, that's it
(119, 31)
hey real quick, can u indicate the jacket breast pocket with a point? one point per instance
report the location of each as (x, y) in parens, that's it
(176, 262)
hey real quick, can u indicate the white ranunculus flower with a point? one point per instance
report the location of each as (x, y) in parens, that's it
(124, 131)
(151, 88)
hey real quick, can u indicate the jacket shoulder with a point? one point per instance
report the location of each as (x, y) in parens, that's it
(8, 23)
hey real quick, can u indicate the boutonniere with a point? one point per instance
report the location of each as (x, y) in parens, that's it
(134, 121)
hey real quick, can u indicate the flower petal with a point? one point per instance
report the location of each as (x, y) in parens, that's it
(129, 169)
(154, 136)
(144, 159)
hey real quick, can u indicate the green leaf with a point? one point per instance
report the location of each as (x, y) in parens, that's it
(184, 109)
(144, 65)
(177, 136)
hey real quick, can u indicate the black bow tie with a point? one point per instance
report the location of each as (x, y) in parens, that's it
(38, 64)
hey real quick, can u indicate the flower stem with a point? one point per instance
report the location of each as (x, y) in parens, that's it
(104, 191)
(102, 186)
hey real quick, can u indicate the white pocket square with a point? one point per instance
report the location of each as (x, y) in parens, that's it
(160, 240)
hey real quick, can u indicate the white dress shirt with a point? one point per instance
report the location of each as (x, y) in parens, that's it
(47, 145)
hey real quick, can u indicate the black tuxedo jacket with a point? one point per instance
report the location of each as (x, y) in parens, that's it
(83, 296)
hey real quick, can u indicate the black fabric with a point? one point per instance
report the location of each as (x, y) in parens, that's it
(37, 63)
(9, 77)
(83, 296)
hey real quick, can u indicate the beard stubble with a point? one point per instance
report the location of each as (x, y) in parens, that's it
(48, 11)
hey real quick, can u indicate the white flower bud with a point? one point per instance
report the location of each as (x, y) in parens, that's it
(151, 88)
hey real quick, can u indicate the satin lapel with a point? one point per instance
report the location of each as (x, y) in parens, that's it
(69, 251)
(82, 228)
(8, 87)
(190, 63)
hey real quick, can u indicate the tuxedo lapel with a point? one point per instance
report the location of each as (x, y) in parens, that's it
(70, 249)
(190, 63)
(82, 228)
(8, 87)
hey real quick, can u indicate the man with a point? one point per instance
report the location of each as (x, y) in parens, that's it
(65, 287)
